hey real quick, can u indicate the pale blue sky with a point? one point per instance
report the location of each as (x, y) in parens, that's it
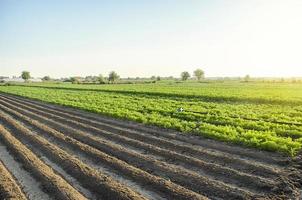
(64, 38)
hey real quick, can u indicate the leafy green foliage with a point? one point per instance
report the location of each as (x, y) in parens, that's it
(263, 116)
(199, 74)
(46, 78)
(101, 79)
(113, 76)
(184, 76)
(25, 75)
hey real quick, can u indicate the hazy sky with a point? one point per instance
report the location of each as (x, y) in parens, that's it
(151, 37)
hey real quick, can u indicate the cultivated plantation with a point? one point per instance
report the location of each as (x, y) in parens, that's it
(150, 100)
(260, 115)
(164, 140)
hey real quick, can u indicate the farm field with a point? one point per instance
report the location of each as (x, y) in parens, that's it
(49, 151)
(258, 115)
(150, 100)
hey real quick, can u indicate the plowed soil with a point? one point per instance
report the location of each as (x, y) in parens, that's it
(73, 154)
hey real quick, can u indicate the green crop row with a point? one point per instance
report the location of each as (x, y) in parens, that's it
(268, 126)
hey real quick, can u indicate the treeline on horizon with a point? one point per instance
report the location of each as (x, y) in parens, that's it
(113, 78)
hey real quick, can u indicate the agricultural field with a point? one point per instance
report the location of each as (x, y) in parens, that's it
(228, 141)
(264, 116)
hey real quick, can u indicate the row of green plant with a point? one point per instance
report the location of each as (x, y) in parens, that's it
(271, 93)
(264, 126)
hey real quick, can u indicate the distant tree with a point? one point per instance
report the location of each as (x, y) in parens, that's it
(158, 78)
(101, 79)
(113, 76)
(46, 78)
(74, 80)
(199, 74)
(184, 76)
(247, 78)
(153, 78)
(25, 75)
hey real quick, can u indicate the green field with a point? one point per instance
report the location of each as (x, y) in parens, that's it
(261, 115)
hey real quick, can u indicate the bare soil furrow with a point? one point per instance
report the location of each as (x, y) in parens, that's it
(217, 172)
(30, 186)
(58, 170)
(158, 184)
(71, 180)
(178, 175)
(102, 185)
(247, 166)
(9, 188)
(85, 159)
(56, 186)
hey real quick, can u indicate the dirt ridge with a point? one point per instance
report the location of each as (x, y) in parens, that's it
(9, 188)
(57, 186)
(104, 186)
